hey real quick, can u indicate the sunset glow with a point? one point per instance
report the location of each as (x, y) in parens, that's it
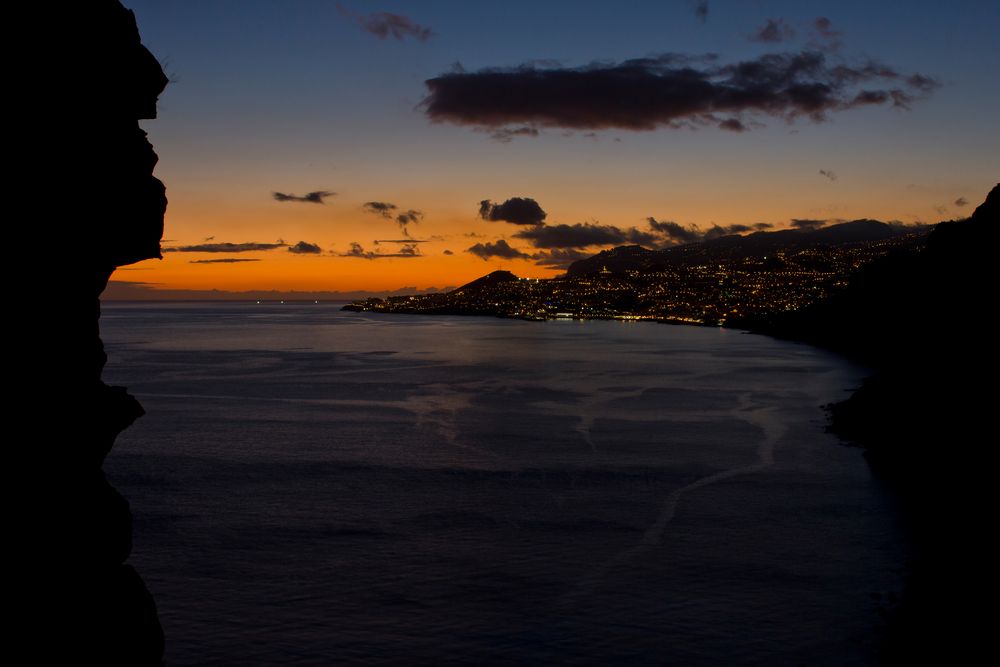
(305, 98)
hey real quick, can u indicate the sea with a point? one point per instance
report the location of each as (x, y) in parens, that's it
(318, 487)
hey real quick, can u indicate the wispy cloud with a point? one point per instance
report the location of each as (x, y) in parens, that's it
(673, 233)
(405, 252)
(381, 208)
(505, 135)
(828, 173)
(227, 247)
(701, 10)
(807, 223)
(772, 32)
(824, 36)
(409, 217)
(316, 197)
(386, 24)
(403, 218)
(224, 260)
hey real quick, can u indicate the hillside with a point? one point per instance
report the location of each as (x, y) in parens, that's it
(735, 247)
(925, 418)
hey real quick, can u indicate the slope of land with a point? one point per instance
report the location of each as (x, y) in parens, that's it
(925, 418)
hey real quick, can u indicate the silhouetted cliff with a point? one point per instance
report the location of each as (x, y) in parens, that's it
(922, 319)
(924, 322)
(89, 203)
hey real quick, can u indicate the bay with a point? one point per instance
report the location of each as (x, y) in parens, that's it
(312, 486)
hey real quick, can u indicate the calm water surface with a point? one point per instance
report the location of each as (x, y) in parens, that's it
(318, 487)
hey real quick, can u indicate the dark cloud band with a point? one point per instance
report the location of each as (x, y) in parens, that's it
(582, 235)
(500, 249)
(227, 247)
(224, 260)
(316, 197)
(667, 91)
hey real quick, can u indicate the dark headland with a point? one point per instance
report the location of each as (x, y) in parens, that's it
(83, 172)
(925, 419)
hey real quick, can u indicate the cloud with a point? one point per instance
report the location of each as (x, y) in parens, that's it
(667, 91)
(675, 232)
(507, 134)
(408, 217)
(309, 197)
(224, 260)
(516, 210)
(448, 252)
(304, 248)
(715, 231)
(358, 251)
(807, 224)
(824, 36)
(961, 201)
(388, 211)
(772, 32)
(499, 249)
(582, 235)
(381, 208)
(227, 247)
(406, 241)
(828, 173)
(559, 258)
(386, 24)
(733, 125)
(701, 10)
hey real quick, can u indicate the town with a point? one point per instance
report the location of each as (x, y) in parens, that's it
(709, 283)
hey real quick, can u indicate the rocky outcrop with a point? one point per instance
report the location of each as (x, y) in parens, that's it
(89, 203)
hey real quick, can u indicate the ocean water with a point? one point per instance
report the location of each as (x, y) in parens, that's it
(317, 487)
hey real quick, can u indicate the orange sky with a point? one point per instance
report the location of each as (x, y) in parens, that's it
(266, 98)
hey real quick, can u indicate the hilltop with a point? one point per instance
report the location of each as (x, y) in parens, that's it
(734, 247)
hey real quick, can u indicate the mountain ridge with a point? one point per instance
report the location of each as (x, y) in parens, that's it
(732, 246)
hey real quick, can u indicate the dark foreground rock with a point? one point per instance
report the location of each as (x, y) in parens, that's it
(83, 178)
(926, 419)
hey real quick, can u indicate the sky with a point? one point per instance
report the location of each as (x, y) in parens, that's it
(365, 145)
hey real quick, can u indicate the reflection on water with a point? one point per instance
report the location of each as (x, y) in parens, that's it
(314, 486)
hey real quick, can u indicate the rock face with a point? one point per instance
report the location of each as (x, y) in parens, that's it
(84, 173)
